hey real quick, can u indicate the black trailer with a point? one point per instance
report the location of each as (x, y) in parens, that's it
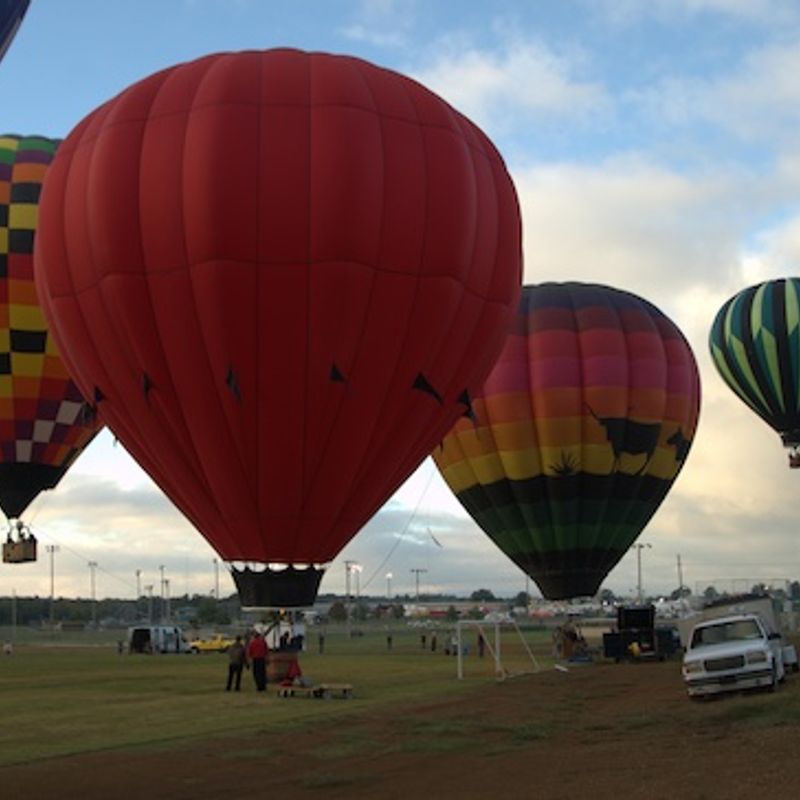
(637, 637)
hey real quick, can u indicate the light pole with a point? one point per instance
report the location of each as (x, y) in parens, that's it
(416, 573)
(639, 546)
(166, 600)
(216, 579)
(388, 585)
(92, 568)
(138, 584)
(52, 549)
(161, 594)
(149, 590)
(348, 566)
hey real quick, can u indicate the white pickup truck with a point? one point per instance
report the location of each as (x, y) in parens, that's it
(739, 651)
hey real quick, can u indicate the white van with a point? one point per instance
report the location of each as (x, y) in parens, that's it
(157, 639)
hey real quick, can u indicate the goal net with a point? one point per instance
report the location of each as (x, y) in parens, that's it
(494, 647)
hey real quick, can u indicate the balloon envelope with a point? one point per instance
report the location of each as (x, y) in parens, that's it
(43, 426)
(11, 14)
(755, 346)
(577, 434)
(279, 273)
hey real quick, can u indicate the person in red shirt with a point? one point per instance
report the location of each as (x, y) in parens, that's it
(257, 652)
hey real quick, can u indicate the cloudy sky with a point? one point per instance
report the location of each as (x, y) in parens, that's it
(654, 147)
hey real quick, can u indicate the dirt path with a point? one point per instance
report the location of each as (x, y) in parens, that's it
(598, 731)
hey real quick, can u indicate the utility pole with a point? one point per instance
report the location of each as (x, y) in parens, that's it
(417, 573)
(639, 547)
(92, 568)
(52, 549)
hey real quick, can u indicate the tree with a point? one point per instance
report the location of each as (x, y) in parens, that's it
(482, 596)
(338, 612)
(521, 600)
(607, 596)
(452, 614)
(710, 593)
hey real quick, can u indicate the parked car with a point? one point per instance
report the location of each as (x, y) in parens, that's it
(214, 644)
(735, 652)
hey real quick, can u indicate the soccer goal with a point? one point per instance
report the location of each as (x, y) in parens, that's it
(502, 643)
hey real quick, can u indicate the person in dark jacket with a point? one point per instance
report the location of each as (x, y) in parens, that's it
(237, 658)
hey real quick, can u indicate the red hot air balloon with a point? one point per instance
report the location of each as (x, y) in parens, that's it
(279, 274)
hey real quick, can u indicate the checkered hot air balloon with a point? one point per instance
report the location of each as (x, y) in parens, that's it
(43, 419)
(577, 434)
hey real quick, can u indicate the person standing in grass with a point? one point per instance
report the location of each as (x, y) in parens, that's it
(237, 658)
(257, 652)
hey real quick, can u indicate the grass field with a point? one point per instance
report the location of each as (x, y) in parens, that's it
(79, 720)
(74, 693)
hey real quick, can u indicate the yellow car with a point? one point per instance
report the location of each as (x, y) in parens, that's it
(214, 644)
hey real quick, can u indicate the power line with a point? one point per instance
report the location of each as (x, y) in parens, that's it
(399, 539)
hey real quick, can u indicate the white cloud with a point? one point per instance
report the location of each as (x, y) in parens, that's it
(518, 81)
(382, 23)
(764, 13)
(632, 223)
(758, 100)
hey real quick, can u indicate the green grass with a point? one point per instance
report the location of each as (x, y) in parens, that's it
(58, 699)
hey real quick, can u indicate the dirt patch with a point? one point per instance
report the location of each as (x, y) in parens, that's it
(599, 730)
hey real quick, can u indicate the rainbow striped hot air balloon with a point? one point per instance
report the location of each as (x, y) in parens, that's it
(755, 346)
(578, 433)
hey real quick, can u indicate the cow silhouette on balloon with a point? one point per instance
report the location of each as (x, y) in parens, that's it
(639, 438)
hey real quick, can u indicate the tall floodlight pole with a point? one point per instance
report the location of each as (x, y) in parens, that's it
(13, 616)
(417, 573)
(216, 579)
(166, 599)
(161, 594)
(388, 585)
(348, 566)
(138, 584)
(52, 549)
(639, 546)
(92, 568)
(149, 590)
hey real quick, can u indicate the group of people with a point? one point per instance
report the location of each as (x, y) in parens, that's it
(253, 654)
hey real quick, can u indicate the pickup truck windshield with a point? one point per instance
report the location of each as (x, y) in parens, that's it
(726, 632)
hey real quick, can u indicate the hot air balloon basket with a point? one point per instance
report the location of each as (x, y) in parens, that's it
(19, 552)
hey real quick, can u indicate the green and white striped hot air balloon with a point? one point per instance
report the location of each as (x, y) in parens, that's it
(755, 345)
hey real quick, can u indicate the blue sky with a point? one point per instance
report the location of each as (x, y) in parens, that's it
(654, 148)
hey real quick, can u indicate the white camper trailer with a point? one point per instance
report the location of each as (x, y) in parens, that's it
(153, 639)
